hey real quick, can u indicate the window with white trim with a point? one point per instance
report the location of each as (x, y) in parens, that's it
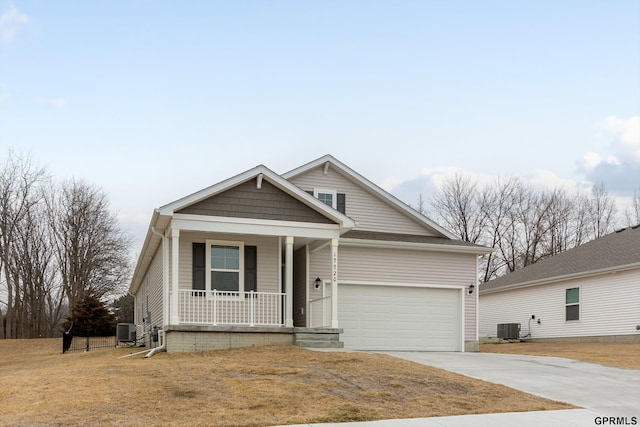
(225, 262)
(572, 304)
(328, 197)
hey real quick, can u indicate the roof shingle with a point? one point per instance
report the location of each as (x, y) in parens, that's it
(618, 249)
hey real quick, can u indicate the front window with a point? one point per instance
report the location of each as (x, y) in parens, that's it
(225, 266)
(572, 304)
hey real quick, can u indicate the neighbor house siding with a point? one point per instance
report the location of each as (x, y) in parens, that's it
(609, 305)
(267, 252)
(400, 267)
(368, 210)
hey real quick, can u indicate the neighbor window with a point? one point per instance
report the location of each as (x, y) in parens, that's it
(225, 266)
(572, 304)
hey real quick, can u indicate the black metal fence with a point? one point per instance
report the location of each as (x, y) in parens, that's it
(85, 343)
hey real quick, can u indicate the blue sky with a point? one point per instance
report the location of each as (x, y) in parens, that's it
(153, 100)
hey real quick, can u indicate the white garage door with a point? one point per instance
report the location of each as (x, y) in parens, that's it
(399, 318)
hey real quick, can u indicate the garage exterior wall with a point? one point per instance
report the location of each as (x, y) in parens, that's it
(609, 306)
(400, 266)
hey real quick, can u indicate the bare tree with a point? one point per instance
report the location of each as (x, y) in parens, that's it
(459, 207)
(632, 213)
(92, 251)
(19, 180)
(602, 209)
(523, 223)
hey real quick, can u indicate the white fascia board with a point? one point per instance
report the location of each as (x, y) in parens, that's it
(149, 247)
(390, 198)
(260, 227)
(549, 280)
(414, 246)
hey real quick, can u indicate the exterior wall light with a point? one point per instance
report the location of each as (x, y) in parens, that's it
(471, 288)
(318, 282)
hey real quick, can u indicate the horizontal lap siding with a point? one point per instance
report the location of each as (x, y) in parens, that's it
(401, 266)
(369, 211)
(148, 297)
(609, 305)
(267, 248)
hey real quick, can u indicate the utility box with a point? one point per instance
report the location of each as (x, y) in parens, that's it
(509, 331)
(126, 332)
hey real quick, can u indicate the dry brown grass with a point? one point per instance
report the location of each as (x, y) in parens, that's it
(242, 387)
(621, 355)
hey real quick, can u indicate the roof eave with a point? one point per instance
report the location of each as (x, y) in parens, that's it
(548, 280)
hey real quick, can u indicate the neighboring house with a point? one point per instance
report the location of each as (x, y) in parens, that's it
(588, 293)
(262, 258)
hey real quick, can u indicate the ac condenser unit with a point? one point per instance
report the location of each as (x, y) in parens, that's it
(509, 331)
(126, 332)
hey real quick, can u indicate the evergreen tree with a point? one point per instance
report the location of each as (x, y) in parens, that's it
(90, 317)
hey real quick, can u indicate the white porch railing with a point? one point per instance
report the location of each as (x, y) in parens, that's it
(230, 308)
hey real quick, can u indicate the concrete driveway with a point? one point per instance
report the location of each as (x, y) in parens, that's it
(607, 391)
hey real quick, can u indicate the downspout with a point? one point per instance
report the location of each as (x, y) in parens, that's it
(162, 347)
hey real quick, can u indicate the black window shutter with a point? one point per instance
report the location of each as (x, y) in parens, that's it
(341, 203)
(250, 268)
(198, 278)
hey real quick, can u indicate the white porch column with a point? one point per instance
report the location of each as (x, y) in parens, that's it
(288, 282)
(175, 268)
(334, 283)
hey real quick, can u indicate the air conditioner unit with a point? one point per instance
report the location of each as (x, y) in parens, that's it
(126, 332)
(509, 331)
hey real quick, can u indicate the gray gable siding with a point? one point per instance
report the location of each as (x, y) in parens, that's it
(247, 201)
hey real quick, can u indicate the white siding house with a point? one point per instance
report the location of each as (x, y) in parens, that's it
(262, 258)
(589, 293)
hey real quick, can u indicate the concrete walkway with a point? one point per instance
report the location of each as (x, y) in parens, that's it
(600, 390)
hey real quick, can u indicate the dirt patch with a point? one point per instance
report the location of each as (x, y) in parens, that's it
(258, 386)
(621, 355)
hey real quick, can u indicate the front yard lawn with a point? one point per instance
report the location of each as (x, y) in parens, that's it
(621, 355)
(257, 386)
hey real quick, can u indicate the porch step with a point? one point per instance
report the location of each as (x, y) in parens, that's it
(318, 337)
(320, 344)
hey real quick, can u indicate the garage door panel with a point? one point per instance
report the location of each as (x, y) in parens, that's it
(399, 318)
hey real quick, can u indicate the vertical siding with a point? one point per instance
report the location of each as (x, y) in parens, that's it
(300, 287)
(267, 248)
(609, 305)
(401, 266)
(368, 210)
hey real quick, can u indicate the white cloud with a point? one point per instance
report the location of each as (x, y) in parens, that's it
(56, 102)
(619, 167)
(10, 23)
